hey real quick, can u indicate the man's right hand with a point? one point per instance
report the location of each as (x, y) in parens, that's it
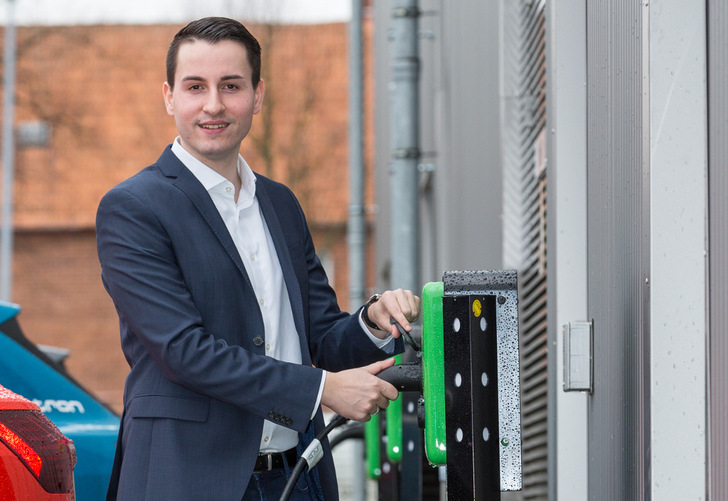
(358, 393)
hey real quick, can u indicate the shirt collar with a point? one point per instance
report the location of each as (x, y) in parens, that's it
(209, 178)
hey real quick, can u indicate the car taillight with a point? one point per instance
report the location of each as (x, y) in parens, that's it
(40, 445)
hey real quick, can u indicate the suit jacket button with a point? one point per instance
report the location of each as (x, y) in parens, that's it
(257, 340)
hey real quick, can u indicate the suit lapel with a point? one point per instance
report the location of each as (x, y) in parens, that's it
(172, 167)
(183, 179)
(284, 257)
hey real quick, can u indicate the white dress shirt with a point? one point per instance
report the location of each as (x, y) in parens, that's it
(244, 220)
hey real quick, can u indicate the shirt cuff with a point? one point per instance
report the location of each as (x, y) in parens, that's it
(320, 394)
(386, 344)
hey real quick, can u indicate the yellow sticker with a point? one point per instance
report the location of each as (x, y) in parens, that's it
(477, 310)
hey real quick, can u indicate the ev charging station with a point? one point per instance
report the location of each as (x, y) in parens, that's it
(469, 407)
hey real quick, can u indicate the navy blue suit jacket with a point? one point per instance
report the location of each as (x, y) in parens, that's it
(200, 385)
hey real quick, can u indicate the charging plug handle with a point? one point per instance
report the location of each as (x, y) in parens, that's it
(404, 377)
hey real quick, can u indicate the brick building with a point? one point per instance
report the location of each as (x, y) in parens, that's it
(100, 89)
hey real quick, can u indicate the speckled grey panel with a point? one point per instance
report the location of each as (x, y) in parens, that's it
(502, 284)
(468, 282)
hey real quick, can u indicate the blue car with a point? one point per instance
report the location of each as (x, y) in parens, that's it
(41, 377)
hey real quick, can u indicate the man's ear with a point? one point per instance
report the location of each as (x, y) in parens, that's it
(259, 95)
(167, 93)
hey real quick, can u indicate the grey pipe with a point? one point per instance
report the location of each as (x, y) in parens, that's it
(404, 196)
(356, 228)
(405, 144)
(8, 145)
(356, 231)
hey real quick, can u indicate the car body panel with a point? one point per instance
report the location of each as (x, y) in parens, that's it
(17, 483)
(92, 426)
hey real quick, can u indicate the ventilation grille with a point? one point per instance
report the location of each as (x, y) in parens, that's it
(525, 204)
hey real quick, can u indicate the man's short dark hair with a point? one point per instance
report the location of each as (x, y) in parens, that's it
(213, 30)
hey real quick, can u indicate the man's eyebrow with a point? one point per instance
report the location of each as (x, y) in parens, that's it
(196, 78)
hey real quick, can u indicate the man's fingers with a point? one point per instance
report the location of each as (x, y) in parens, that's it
(389, 392)
(400, 304)
(377, 367)
(415, 308)
(386, 390)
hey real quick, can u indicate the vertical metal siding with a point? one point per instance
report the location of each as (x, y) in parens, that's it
(524, 108)
(618, 250)
(718, 247)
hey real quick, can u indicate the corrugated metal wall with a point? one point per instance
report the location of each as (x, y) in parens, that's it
(525, 215)
(718, 246)
(618, 249)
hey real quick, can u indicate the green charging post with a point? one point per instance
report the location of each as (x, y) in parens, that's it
(371, 440)
(433, 370)
(393, 425)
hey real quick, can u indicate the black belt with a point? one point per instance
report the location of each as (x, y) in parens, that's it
(272, 460)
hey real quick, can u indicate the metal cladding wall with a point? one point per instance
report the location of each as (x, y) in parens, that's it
(618, 250)
(718, 246)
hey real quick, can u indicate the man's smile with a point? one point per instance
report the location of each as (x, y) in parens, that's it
(214, 126)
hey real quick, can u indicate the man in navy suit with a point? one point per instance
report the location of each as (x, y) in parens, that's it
(231, 330)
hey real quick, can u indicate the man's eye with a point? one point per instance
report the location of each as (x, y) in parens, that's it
(231, 87)
(195, 87)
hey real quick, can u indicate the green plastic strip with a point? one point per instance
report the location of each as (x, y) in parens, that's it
(394, 425)
(433, 373)
(371, 440)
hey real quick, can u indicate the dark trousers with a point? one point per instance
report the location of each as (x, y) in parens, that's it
(269, 485)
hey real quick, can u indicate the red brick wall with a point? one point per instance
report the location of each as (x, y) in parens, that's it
(57, 283)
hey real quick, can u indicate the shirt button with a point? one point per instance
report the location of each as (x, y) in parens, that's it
(266, 439)
(229, 189)
(267, 347)
(262, 302)
(252, 257)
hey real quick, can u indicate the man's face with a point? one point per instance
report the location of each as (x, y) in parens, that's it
(213, 101)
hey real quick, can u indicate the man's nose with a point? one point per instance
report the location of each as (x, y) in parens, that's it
(214, 104)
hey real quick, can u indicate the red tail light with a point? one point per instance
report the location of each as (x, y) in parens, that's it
(40, 445)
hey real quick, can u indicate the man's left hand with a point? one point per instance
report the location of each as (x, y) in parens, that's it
(402, 305)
